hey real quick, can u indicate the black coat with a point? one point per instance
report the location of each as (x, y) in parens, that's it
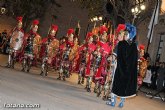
(125, 78)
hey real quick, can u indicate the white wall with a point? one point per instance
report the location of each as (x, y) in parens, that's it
(142, 37)
(6, 23)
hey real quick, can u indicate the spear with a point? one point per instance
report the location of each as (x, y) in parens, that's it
(113, 41)
(78, 28)
(110, 33)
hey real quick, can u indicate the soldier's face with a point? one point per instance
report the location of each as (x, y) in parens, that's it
(75, 41)
(141, 53)
(104, 36)
(71, 37)
(52, 33)
(126, 36)
(120, 36)
(19, 25)
(35, 29)
(90, 40)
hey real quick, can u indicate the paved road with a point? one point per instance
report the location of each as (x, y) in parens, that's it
(17, 87)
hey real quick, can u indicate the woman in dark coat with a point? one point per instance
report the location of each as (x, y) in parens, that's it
(125, 78)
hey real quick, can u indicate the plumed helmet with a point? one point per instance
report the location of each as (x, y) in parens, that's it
(131, 30)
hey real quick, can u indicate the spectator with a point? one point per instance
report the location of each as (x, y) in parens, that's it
(0, 38)
(154, 75)
(161, 76)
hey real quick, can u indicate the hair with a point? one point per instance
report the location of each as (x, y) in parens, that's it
(149, 67)
(134, 39)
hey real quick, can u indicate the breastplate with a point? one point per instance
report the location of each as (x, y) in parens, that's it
(98, 60)
(66, 54)
(29, 46)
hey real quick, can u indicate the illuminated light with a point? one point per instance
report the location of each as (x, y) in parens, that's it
(96, 19)
(3, 10)
(100, 18)
(133, 10)
(142, 7)
(136, 9)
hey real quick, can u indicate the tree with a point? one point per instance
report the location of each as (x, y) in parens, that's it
(95, 7)
(118, 11)
(29, 9)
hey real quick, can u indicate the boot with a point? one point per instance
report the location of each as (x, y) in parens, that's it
(46, 74)
(121, 104)
(28, 71)
(41, 73)
(79, 82)
(8, 65)
(59, 78)
(79, 78)
(112, 101)
(95, 90)
(63, 78)
(23, 70)
(82, 82)
(88, 89)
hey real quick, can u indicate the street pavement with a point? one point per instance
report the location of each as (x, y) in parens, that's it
(17, 87)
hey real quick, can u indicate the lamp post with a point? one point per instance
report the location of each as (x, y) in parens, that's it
(137, 9)
(96, 19)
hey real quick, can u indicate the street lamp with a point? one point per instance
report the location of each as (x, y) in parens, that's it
(143, 7)
(3, 10)
(94, 19)
(100, 18)
(133, 10)
(137, 9)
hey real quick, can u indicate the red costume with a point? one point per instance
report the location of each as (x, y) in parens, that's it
(65, 67)
(31, 47)
(49, 50)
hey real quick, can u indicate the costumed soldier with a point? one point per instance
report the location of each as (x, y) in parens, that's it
(73, 56)
(142, 65)
(91, 47)
(64, 71)
(49, 50)
(125, 78)
(31, 47)
(101, 61)
(16, 41)
(58, 57)
(82, 63)
(82, 60)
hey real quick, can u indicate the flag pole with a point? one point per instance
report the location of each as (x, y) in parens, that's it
(152, 26)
